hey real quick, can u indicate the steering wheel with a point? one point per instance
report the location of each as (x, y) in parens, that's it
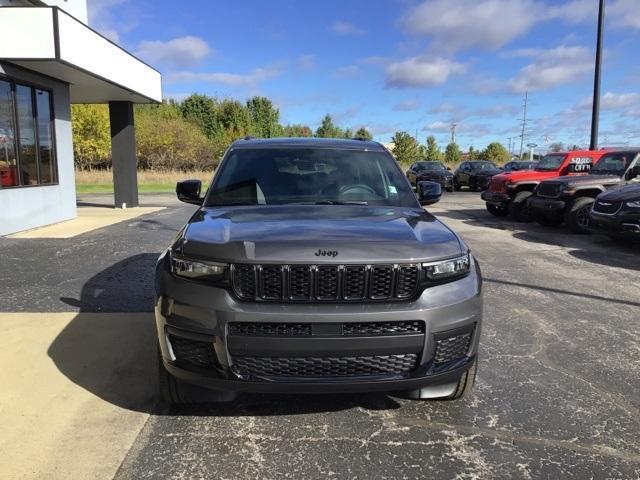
(353, 189)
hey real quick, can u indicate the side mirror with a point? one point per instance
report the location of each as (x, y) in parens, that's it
(449, 168)
(188, 191)
(429, 193)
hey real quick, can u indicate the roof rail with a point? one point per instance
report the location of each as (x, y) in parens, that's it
(249, 137)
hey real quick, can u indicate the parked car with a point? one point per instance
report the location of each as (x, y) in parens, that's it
(431, 171)
(509, 192)
(312, 266)
(474, 174)
(568, 199)
(617, 213)
(518, 165)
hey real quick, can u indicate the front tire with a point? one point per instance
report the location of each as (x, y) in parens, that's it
(497, 211)
(577, 216)
(519, 207)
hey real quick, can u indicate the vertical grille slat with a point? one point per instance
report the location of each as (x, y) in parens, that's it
(325, 283)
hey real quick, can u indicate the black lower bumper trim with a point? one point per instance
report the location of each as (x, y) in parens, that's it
(320, 385)
(546, 205)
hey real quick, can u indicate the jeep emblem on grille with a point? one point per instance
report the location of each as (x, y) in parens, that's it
(326, 253)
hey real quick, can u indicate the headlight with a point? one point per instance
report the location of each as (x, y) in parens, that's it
(634, 204)
(447, 269)
(198, 269)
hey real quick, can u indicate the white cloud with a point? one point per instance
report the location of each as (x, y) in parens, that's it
(553, 68)
(347, 71)
(251, 79)
(444, 107)
(417, 72)
(488, 24)
(103, 18)
(611, 101)
(306, 62)
(625, 13)
(406, 106)
(177, 52)
(437, 127)
(345, 28)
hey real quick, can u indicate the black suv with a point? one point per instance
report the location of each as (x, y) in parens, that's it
(475, 174)
(617, 213)
(311, 266)
(431, 171)
(568, 199)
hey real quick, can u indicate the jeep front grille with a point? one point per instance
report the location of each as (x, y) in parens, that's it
(548, 189)
(325, 367)
(325, 283)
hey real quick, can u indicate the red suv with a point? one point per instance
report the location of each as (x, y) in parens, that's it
(509, 192)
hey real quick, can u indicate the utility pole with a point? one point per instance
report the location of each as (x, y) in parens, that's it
(595, 113)
(509, 138)
(453, 132)
(524, 123)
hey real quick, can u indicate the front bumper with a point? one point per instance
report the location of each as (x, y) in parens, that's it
(547, 206)
(499, 199)
(200, 313)
(625, 224)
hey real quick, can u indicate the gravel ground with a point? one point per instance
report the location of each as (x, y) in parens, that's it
(557, 395)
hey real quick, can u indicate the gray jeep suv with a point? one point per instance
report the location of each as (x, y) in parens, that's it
(311, 267)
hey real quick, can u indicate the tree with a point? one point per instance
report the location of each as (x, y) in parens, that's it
(405, 148)
(452, 153)
(202, 110)
(91, 136)
(348, 133)
(234, 119)
(496, 153)
(364, 133)
(473, 153)
(433, 153)
(297, 131)
(327, 129)
(265, 117)
(556, 147)
(170, 142)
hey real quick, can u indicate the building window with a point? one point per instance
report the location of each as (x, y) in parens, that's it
(27, 153)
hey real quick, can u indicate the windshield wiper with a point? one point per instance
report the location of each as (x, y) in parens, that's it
(334, 202)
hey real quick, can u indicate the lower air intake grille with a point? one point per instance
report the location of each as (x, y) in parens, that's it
(272, 329)
(193, 352)
(452, 348)
(325, 367)
(548, 189)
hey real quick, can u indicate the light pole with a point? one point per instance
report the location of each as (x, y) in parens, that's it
(595, 113)
(531, 147)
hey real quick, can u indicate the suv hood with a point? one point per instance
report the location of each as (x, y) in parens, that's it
(300, 233)
(525, 175)
(624, 194)
(588, 180)
(435, 174)
(487, 173)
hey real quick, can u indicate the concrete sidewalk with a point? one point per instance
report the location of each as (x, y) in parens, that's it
(75, 393)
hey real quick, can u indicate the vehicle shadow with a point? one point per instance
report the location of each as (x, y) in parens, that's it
(109, 349)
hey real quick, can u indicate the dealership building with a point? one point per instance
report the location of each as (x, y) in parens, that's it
(49, 59)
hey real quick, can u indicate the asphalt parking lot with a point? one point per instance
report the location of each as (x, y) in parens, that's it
(557, 395)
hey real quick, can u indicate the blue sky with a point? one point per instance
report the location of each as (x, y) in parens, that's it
(395, 65)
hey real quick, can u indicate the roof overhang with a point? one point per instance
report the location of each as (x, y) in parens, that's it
(51, 42)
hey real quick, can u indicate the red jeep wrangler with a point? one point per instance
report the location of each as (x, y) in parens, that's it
(509, 192)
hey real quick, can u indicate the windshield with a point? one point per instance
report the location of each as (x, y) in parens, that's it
(276, 176)
(483, 166)
(550, 162)
(613, 164)
(430, 166)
